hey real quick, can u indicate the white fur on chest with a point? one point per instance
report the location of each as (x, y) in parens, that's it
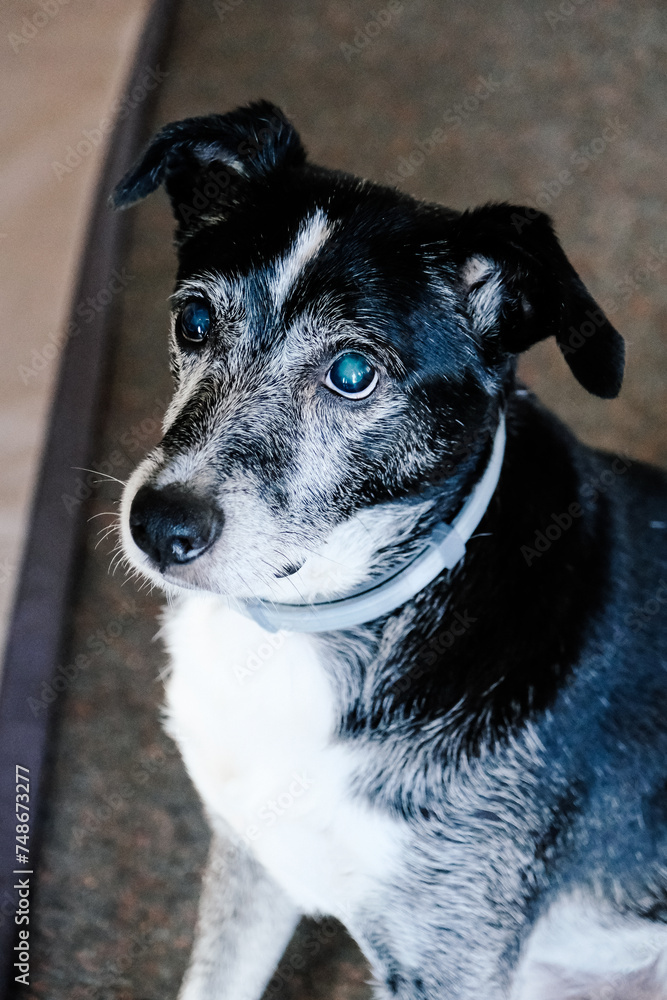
(254, 717)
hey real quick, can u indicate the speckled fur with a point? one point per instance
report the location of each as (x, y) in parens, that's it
(475, 784)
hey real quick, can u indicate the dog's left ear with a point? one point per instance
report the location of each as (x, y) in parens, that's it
(519, 285)
(207, 164)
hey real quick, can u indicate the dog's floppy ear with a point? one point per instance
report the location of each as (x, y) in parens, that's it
(205, 163)
(520, 285)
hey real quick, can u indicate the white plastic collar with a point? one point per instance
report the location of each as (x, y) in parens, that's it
(444, 550)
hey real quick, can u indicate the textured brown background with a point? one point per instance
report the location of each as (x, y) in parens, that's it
(56, 80)
(124, 836)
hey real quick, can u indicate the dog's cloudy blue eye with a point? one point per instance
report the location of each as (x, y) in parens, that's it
(195, 321)
(352, 375)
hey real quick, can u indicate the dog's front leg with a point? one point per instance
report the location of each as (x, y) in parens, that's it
(245, 923)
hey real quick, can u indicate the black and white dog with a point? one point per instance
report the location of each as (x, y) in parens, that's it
(418, 664)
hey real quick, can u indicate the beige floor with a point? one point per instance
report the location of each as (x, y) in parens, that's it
(63, 65)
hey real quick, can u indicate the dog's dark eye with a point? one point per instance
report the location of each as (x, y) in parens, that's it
(195, 321)
(352, 376)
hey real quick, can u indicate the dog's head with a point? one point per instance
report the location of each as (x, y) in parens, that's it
(340, 352)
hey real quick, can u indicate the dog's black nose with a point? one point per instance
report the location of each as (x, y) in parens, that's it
(173, 524)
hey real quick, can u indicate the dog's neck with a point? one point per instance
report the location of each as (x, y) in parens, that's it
(444, 549)
(484, 649)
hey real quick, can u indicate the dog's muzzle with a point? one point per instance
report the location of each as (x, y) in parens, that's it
(173, 525)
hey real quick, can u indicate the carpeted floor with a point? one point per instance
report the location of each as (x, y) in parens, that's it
(572, 119)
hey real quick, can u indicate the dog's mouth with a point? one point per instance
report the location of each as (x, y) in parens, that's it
(289, 570)
(172, 534)
(177, 536)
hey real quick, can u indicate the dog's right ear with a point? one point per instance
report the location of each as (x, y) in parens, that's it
(521, 288)
(206, 163)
